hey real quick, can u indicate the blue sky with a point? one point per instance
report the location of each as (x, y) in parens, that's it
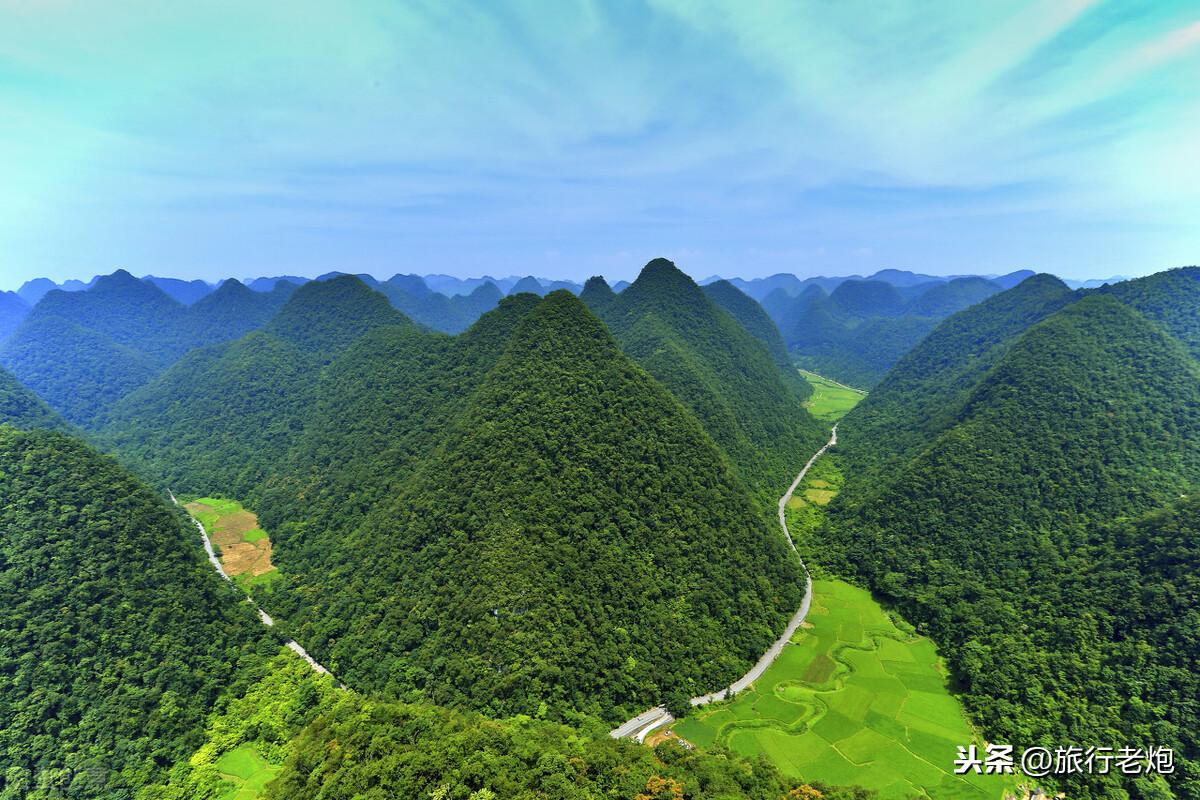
(568, 138)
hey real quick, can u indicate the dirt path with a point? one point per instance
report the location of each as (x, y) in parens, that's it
(656, 717)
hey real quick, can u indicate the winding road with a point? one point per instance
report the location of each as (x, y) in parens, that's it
(262, 615)
(654, 718)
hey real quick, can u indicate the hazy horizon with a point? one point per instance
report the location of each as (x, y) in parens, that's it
(585, 138)
(611, 279)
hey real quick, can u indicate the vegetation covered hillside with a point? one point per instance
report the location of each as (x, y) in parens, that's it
(375, 413)
(425, 751)
(115, 635)
(293, 735)
(12, 310)
(1170, 298)
(753, 318)
(857, 333)
(324, 317)
(21, 408)
(81, 351)
(221, 418)
(77, 370)
(454, 314)
(923, 394)
(988, 535)
(596, 294)
(575, 542)
(750, 406)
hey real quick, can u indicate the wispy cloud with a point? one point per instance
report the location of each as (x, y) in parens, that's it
(221, 137)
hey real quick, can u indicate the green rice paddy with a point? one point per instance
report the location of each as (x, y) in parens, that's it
(830, 401)
(857, 699)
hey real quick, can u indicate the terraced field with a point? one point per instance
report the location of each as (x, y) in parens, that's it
(856, 699)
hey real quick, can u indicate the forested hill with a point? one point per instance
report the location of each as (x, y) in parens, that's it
(755, 320)
(1170, 298)
(377, 410)
(745, 400)
(82, 351)
(233, 310)
(988, 535)
(596, 293)
(326, 316)
(576, 542)
(860, 330)
(21, 408)
(923, 394)
(222, 418)
(117, 636)
(414, 299)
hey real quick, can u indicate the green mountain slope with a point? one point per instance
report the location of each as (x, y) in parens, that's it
(232, 310)
(324, 317)
(116, 636)
(729, 380)
(78, 371)
(1169, 298)
(576, 540)
(596, 293)
(754, 319)
(924, 392)
(983, 535)
(862, 299)
(221, 419)
(218, 419)
(128, 311)
(952, 296)
(376, 411)
(316, 741)
(82, 351)
(863, 329)
(23, 409)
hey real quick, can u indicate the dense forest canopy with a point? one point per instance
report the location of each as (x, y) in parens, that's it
(21, 408)
(576, 541)
(859, 330)
(377, 411)
(115, 636)
(82, 351)
(747, 403)
(993, 476)
(559, 512)
(921, 395)
(757, 323)
(321, 742)
(221, 419)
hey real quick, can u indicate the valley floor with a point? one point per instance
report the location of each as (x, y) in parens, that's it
(830, 400)
(856, 699)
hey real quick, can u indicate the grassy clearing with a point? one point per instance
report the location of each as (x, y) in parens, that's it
(830, 401)
(243, 547)
(856, 699)
(246, 771)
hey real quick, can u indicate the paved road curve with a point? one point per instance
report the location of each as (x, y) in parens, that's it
(656, 717)
(262, 615)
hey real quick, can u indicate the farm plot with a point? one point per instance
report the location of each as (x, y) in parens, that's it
(855, 699)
